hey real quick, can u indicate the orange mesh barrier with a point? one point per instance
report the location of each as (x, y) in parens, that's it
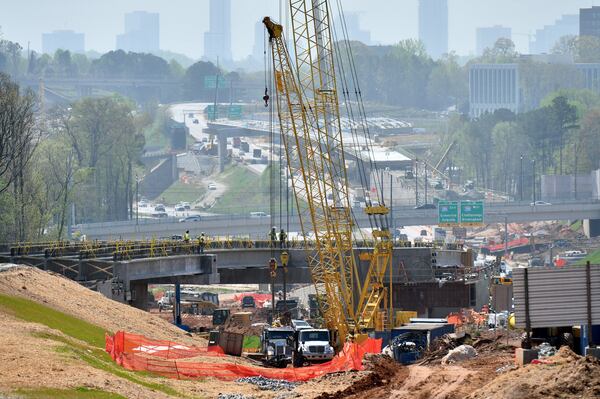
(258, 298)
(138, 353)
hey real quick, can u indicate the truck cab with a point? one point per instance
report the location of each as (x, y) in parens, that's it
(312, 345)
(275, 345)
(248, 302)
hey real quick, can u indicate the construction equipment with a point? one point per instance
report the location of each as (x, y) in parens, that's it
(306, 98)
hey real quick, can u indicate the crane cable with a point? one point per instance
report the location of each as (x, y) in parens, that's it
(381, 222)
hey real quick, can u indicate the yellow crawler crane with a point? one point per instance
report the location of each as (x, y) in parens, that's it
(308, 110)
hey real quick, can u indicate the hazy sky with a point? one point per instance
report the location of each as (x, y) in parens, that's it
(183, 22)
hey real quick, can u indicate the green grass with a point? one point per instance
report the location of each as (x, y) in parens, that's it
(576, 226)
(248, 192)
(179, 192)
(34, 312)
(89, 346)
(77, 393)
(593, 258)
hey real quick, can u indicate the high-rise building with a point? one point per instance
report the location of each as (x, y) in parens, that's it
(548, 36)
(64, 40)
(487, 36)
(142, 32)
(258, 50)
(493, 87)
(433, 26)
(217, 41)
(352, 23)
(589, 21)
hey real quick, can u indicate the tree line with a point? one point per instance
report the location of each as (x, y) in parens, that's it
(80, 162)
(509, 152)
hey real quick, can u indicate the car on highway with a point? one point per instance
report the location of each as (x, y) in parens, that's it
(212, 186)
(426, 206)
(259, 215)
(179, 208)
(186, 205)
(540, 203)
(160, 208)
(160, 215)
(194, 218)
(142, 204)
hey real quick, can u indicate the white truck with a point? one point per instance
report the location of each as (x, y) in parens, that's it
(311, 345)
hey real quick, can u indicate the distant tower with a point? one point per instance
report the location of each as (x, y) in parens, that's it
(487, 36)
(588, 21)
(352, 23)
(63, 40)
(433, 26)
(142, 31)
(217, 41)
(258, 50)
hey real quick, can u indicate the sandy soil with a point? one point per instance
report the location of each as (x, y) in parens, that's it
(37, 364)
(69, 297)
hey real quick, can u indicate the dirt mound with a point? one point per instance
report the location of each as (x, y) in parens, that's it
(381, 371)
(567, 375)
(67, 296)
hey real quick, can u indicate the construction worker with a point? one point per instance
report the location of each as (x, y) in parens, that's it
(273, 237)
(186, 237)
(282, 238)
(201, 243)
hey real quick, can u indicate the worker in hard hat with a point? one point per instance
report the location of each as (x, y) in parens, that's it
(186, 237)
(273, 237)
(282, 238)
(201, 243)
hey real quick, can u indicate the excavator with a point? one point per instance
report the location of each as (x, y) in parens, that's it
(352, 300)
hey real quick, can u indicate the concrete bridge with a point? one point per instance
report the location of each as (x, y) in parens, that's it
(244, 225)
(127, 279)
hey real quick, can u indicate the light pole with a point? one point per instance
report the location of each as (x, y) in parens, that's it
(533, 183)
(416, 182)
(137, 206)
(425, 183)
(521, 180)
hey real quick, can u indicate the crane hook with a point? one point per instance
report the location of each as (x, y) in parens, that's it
(266, 97)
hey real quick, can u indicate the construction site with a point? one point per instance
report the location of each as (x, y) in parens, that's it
(334, 299)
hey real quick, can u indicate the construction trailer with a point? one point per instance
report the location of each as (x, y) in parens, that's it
(559, 305)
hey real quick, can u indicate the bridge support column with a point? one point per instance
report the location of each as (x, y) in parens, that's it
(139, 294)
(591, 227)
(222, 152)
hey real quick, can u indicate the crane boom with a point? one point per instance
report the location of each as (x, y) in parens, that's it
(308, 109)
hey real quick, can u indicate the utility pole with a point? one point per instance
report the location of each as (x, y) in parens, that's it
(137, 206)
(521, 180)
(416, 182)
(533, 185)
(505, 237)
(425, 166)
(391, 201)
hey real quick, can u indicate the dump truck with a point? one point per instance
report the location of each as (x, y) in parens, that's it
(191, 302)
(311, 345)
(275, 346)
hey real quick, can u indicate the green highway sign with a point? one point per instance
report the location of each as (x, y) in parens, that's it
(235, 112)
(448, 213)
(210, 81)
(471, 213)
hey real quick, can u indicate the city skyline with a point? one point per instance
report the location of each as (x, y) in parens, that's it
(184, 22)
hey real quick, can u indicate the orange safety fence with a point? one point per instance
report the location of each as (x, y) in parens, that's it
(166, 358)
(258, 298)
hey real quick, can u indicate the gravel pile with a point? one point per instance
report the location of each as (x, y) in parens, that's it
(233, 396)
(267, 384)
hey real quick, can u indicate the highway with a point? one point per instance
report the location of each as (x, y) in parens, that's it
(244, 225)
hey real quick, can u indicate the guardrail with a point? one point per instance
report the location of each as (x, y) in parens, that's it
(131, 249)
